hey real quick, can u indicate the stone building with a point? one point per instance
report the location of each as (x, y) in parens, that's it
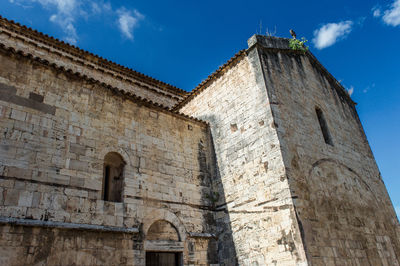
(264, 163)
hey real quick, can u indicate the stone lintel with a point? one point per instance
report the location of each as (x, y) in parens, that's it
(164, 245)
(201, 235)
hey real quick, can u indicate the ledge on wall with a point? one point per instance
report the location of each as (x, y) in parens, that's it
(62, 225)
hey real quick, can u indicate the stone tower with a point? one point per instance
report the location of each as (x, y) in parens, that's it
(264, 163)
(297, 180)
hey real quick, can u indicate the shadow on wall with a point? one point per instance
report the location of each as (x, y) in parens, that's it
(222, 249)
(54, 246)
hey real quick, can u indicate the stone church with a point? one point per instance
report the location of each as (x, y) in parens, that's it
(263, 163)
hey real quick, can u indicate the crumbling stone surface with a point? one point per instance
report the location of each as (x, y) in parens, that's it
(44, 246)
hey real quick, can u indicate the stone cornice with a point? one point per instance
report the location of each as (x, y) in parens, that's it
(68, 226)
(127, 95)
(83, 57)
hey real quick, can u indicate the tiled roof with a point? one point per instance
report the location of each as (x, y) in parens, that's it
(128, 95)
(85, 55)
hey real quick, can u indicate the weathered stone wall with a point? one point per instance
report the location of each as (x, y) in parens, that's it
(20, 245)
(56, 129)
(261, 178)
(70, 58)
(341, 202)
(255, 217)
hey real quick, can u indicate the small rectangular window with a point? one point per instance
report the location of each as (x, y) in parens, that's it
(324, 126)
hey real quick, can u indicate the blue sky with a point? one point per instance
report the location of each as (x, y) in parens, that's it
(182, 42)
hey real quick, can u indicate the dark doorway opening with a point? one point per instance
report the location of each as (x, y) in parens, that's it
(163, 259)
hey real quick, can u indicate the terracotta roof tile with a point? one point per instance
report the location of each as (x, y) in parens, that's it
(128, 95)
(85, 55)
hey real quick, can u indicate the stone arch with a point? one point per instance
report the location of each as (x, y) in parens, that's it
(341, 205)
(131, 159)
(337, 189)
(164, 215)
(339, 164)
(162, 230)
(125, 156)
(164, 237)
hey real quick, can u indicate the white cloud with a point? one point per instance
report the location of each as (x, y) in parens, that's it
(330, 33)
(369, 87)
(99, 8)
(376, 11)
(66, 13)
(360, 21)
(18, 3)
(128, 21)
(351, 90)
(392, 16)
(64, 16)
(95, 8)
(71, 37)
(63, 6)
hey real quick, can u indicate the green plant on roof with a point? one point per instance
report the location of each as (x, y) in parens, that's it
(298, 45)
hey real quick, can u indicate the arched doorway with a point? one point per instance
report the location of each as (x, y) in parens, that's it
(163, 245)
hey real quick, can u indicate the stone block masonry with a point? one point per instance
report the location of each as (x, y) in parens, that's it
(101, 165)
(341, 202)
(255, 209)
(297, 187)
(55, 133)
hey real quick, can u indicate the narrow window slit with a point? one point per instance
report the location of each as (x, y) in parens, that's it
(106, 182)
(324, 127)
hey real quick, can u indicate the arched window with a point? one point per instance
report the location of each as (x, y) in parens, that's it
(113, 177)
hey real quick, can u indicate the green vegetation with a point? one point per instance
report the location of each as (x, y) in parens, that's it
(298, 45)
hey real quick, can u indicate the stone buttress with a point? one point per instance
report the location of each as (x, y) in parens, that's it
(297, 178)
